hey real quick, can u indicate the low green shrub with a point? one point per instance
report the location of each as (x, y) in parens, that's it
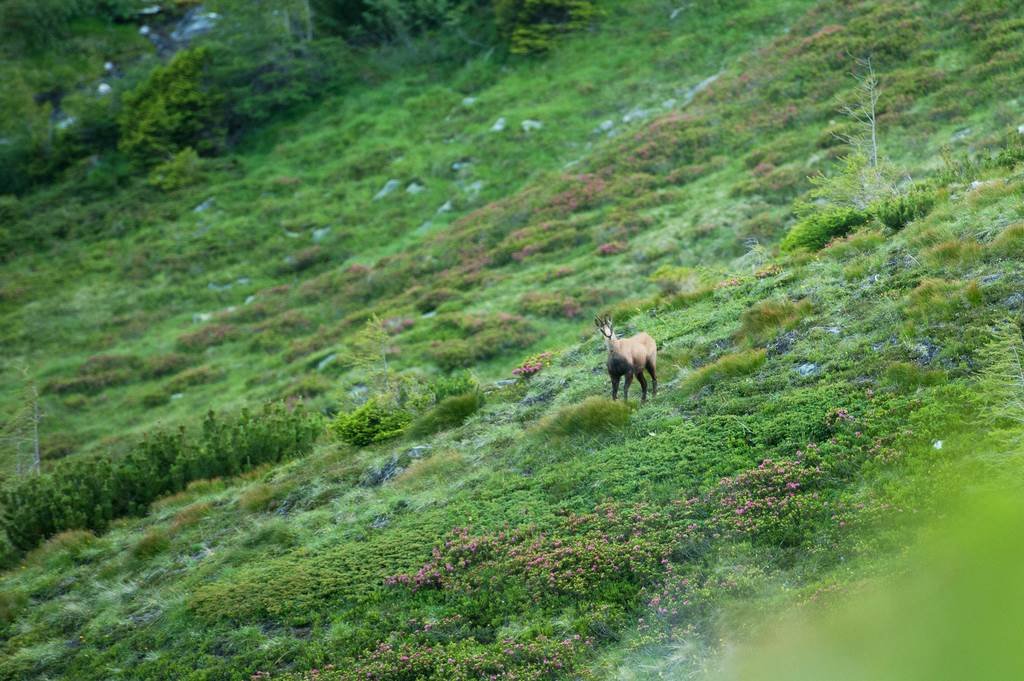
(449, 413)
(372, 422)
(815, 231)
(896, 212)
(181, 170)
(532, 26)
(172, 110)
(593, 416)
(457, 383)
(89, 492)
(728, 366)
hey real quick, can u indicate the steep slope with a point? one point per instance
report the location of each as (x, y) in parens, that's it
(812, 405)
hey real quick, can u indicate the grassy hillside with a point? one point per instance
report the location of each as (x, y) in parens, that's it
(815, 404)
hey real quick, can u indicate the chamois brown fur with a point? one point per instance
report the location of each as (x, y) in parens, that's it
(629, 357)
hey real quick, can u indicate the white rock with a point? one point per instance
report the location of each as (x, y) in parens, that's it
(499, 125)
(475, 188)
(200, 317)
(1020, 129)
(65, 123)
(415, 188)
(529, 125)
(389, 187)
(177, 396)
(291, 235)
(669, 103)
(320, 234)
(937, 444)
(144, 30)
(242, 281)
(428, 315)
(152, 9)
(104, 89)
(676, 12)
(636, 114)
(425, 227)
(699, 88)
(459, 166)
(204, 206)
(446, 208)
(108, 66)
(607, 125)
(468, 101)
(326, 362)
(250, 300)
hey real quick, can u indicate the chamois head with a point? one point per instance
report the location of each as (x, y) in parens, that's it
(604, 325)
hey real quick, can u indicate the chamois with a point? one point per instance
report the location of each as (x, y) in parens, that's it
(629, 357)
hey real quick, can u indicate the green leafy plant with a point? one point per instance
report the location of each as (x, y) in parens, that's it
(449, 413)
(374, 421)
(813, 232)
(172, 110)
(896, 212)
(532, 26)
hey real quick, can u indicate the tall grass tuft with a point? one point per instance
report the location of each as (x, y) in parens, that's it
(593, 416)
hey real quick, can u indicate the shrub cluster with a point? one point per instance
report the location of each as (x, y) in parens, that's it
(91, 492)
(450, 412)
(815, 231)
(896, 212)
(374, 421)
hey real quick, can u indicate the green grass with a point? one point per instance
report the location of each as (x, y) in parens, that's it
(647, 532)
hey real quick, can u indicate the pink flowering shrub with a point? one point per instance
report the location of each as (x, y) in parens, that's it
(533, 365)
(611, 248)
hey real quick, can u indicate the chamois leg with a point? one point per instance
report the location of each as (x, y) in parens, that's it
(615, 386)
(654, 378)
(643, 385)
(625, 389)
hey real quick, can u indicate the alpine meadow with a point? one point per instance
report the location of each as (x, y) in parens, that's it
(300, 379)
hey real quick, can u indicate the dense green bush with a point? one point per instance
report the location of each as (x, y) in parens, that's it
(90, 492)
(373, 422)
(458, 383)
(815, 231)
(450, 412)
(532, 26)
(173, 109)
(181, 170)
(897, 212)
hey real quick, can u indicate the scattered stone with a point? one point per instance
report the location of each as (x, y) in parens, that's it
(108, 66)
(415, 188)
(1014, 301)
(699, 88)
(505, 382)
(937, 444)
(150, 10)
(425, 227)
(635, 114)
(960, 134)
(145, 30)
(808, 369)
(104, 89)
(359, 393)
(991, 278)
(529, 125)
(669, 103)
(468, 101)
(320, 234)
(213, 286)
(375, 476)
(782, 344)
(177, 396)
(204, 206)
(499, 125)
(675, 13)
(249, 300)
(461, 165)
(475, 188)
(200, 317)
(606, 125)
(834, 330)
(66, 123)
(1020, 129)
(419, 451)
(389, 187)
(926, 351)
(428, 315)
(195, 23)
(291, 235)
(446, 208)
(326, 361)
(380, 522)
